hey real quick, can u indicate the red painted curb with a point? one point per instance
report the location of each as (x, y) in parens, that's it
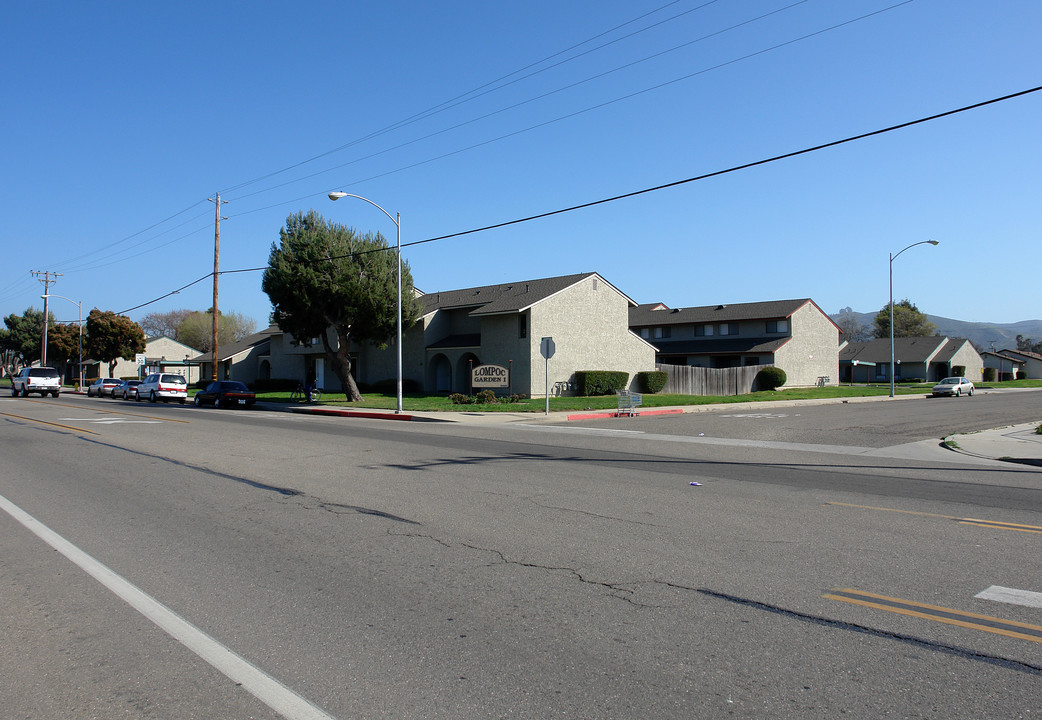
(353, 413)
(616, 413)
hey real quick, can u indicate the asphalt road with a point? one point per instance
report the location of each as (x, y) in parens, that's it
(224, 563)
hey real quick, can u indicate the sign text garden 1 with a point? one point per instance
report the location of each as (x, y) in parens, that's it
(490, 376)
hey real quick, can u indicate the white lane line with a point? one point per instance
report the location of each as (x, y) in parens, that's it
(257, 682)
(1011, 596)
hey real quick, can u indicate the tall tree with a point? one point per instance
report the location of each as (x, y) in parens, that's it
(20, 341)
(908, 321)
(156, 324)
(1027, 345)
(324, 276)
(111, 337)
(853, 329)
(196, 330)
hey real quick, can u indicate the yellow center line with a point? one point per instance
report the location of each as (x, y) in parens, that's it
(44, 422)
(995, 524)
(984, 623)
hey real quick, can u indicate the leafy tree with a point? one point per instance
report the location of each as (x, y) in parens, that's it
(63, 342)
(1026, 345)
(156, 324)
(21, 340)
(111, 337)
(196, 330)
(908, 321)
(324, 276)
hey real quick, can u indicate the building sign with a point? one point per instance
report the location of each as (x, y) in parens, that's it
(490, 376)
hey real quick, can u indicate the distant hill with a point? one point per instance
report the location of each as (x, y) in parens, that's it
(982, 334)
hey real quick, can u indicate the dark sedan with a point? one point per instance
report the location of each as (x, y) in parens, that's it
(225, 393)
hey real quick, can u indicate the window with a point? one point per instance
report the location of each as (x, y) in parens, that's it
(728, 328)
(522, 325)
(645, 333)
(703, 330)
(662, 332)
(777, 326)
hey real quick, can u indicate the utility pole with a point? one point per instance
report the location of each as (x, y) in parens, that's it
(47, 281)
(216, 264)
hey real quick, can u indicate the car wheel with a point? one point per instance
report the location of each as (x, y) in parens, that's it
(217, 402)
(181, 401)
(54, 394)
(958, 393)
(152, 396)
(198, 401)
(25, 391)
(970, 392)
(14, 391)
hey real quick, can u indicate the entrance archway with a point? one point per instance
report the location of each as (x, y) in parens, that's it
(439, 374)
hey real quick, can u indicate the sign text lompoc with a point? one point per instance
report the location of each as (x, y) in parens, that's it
(489, 376)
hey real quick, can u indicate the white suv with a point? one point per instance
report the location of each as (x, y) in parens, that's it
(163, 386)
(43, 380)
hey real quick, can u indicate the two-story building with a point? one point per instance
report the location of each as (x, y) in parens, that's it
(502, 325)
(794, 335)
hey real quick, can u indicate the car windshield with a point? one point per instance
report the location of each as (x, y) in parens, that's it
(950, 381)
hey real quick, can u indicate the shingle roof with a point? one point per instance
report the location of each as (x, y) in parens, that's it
(647, 315)
(916, 349)
(718, 346)
(1024, 353)
(502, 298)
(948, 351)
(225, 352)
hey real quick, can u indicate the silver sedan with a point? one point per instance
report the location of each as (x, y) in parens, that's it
(954, 386)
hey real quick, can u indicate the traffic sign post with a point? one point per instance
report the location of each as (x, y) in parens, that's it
(547, 348)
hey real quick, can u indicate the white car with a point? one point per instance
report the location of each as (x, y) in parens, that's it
(163, 386)
(953, 386)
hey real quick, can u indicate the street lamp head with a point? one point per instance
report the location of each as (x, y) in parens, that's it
(336, 195)
(934, 242)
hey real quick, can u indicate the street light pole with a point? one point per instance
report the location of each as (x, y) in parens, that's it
(79, 321)
(892, 258)
(398, 225)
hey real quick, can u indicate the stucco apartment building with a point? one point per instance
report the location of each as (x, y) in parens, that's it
(587, 317)
(795, 335)
(927, 358)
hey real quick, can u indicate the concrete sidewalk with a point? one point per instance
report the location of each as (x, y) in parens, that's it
(1016, 444)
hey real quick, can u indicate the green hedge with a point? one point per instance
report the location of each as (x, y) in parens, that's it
(600, 382)
(770, 378)
(651, 381)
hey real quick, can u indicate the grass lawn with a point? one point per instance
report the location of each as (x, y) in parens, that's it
(438, 403)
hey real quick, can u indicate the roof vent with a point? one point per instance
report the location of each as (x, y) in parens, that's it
(526, 287)
(676, 310)
(720, 307)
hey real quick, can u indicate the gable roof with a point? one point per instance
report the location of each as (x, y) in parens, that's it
(226, 352)
(658, 314)
(506, 297)
(1024, 354)
(953, 346)
(914, 349)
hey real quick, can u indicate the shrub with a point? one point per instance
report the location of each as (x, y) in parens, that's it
(600, 382)
(958, 370)
(989, 374)
(770, 378)
(485, 397)
(651, 381)
(459, 399)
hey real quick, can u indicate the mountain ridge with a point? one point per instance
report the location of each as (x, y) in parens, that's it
(984, 335)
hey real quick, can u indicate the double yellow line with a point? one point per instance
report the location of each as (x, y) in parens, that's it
(986, 623)
(994, 524)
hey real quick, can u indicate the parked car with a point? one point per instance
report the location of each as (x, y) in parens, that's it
(954, 386)
(225, 393)
(102, 387)
(163, 386)
(43, 380)
(126, 390)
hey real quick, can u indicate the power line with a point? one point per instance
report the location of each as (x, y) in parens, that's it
(635, 193)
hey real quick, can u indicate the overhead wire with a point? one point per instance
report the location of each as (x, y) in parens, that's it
(656, 188)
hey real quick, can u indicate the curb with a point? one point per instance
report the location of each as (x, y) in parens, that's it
(370, 415)
(618, 413)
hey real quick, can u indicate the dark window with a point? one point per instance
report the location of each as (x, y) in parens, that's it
(777, 326)
(522, 325)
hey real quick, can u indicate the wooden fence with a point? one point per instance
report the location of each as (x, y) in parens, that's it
(687, 380)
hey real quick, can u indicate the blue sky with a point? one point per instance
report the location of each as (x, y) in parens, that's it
(122, 118)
